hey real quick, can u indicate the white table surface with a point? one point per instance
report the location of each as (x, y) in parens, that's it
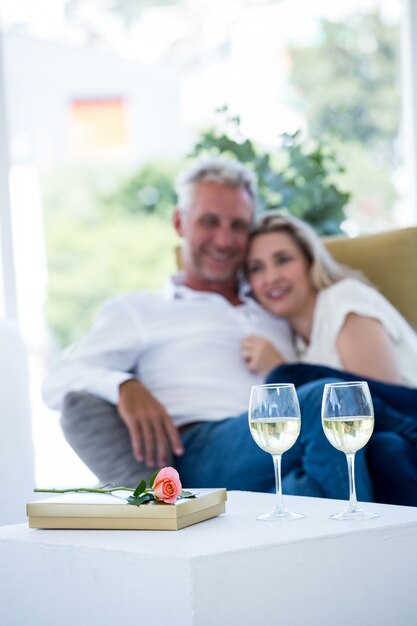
(236, 529)
(230, 569)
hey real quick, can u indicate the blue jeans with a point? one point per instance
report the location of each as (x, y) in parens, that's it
(391, 453)
(392, 462)
(223, 454)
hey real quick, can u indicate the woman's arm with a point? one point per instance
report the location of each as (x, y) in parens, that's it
(365, 348)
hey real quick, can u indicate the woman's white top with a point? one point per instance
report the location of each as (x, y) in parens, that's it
(352, 296)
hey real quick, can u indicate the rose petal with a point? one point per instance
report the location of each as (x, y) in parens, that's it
(167, 472)
(167, 485)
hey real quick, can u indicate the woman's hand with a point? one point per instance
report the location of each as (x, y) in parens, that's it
(260, 355)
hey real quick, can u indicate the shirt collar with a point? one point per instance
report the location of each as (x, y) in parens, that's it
(175, 289)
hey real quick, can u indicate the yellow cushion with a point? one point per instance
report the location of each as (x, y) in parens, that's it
(389, 260)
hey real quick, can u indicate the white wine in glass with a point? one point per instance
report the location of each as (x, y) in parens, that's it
(275, 423)
(348, 423)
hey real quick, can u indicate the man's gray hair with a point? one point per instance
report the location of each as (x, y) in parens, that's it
(220, 170)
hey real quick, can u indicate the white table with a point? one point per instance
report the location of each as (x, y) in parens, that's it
(226, 571)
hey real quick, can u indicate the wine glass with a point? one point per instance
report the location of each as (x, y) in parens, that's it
(348, 421)
(275, 423)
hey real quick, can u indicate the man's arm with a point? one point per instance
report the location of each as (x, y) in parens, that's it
(151, 430)
(103, 363)
(103, 359)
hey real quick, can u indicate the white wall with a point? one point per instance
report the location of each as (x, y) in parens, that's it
(43, 77)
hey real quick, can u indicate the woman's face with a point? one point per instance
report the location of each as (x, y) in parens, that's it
(278, 272)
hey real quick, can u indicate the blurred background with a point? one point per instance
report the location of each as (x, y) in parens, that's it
(103, 101)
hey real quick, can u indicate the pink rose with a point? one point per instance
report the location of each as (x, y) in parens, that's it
(167, 485)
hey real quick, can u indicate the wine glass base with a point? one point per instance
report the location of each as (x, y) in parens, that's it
(353, 515)
(280, 515)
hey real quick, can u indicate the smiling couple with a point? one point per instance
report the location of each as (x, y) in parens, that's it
(177, 365)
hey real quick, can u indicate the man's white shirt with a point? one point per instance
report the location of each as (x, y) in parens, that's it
(183, 345)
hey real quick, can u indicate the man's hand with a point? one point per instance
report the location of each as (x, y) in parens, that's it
(260, 355)
(151, 430)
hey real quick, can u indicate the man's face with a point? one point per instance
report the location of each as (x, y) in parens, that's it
(215, 231)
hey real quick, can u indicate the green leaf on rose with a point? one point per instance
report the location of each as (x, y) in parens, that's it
(139, 489)
(152, 478)
(187, 494)
(137, 501)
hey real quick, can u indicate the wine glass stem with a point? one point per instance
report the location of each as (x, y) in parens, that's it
(350, 458)
(278, 482)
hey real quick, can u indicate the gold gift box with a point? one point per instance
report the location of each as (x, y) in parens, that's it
(103, 511)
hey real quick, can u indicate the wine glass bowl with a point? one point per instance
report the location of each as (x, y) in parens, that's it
(349, 434)
(275, 423)
(275, 435)
(348, 423)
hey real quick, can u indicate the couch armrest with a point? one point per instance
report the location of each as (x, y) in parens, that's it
(95, 431)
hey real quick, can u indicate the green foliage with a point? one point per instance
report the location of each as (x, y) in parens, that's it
(152, 478)
(140, 488)
(76, 192)
(373, 193)
(142, 499)
(299, 177)
(348, 88)
(149, 190)
(99, 244)
(348, 82)
(94, 253)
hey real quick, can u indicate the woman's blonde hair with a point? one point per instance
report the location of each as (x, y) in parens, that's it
(324, 269)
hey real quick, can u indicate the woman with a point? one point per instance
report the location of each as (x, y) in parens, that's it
(339, 321)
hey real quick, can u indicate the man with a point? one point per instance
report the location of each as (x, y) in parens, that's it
(171, 360)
